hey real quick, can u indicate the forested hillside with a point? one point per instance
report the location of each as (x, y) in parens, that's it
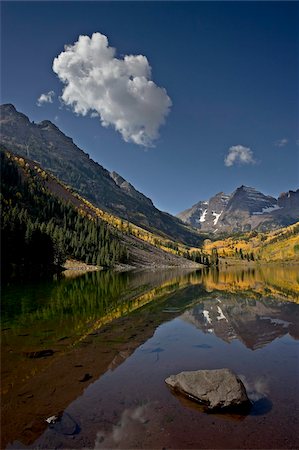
(39, 231)
(279, 245)
(45, 222)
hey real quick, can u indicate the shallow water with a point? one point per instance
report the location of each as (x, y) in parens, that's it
(109, 341)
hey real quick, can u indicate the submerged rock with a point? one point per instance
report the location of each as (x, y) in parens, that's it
(66, 425)
(86, 377)
(63, 423)
(40, 354)
(215, 389)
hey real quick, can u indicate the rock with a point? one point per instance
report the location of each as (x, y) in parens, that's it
(86, 377)
(66, 425)
(52, 419)
(40, 354)
(215, 389)
(63, 423)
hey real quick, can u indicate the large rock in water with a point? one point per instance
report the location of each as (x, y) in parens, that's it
(215, 389)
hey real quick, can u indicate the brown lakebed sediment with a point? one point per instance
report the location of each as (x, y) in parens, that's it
(38, 384)
(32, 399)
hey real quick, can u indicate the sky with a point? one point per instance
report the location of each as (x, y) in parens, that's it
(182, 99)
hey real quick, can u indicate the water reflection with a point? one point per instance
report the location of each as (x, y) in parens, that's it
(254, 323)
(277, 281)
(97, 293)
(59, 337)
(133, 421)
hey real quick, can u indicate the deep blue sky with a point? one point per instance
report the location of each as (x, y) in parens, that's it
(230, 68)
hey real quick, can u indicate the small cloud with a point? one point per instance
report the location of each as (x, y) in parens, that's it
(45, 98)
(256, 389)
(119, 89)
(132, 422)
(281, 142)
(56, 118)
(238, 154)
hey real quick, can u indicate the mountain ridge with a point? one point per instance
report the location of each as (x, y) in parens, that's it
(47, 145)
(244, 209)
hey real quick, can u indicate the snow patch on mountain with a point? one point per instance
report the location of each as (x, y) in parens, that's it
(207, 316)
(221, 315)
(216, 215)
(203, 216)
(267, 210)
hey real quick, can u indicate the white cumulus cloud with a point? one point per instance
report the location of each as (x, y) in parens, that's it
(281, 142)
(238, 154)
(45, 98)
(119, 90)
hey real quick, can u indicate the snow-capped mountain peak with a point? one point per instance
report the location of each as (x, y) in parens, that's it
(243, 210)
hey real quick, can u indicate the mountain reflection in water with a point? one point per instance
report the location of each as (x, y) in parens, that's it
(104, 321)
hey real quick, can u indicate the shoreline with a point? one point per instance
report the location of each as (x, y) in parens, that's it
(74, 268)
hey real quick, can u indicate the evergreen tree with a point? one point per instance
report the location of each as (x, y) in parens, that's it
(39, 231)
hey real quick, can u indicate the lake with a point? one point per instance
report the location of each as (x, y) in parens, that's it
(94, 351)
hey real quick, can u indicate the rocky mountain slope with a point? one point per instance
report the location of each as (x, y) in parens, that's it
(45, 189)
(205, 214)
(244, 210)
(58, 154)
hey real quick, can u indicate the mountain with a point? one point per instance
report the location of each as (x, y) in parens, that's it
(205, 214)
(244, 210)
(55, 152)
(38, 211)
